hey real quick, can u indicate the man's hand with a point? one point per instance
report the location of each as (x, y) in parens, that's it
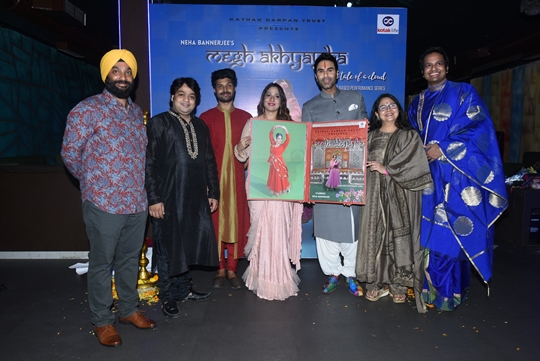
(213, 204)
(433, 152)
(157, 210)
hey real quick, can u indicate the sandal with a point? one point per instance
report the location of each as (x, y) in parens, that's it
(399, 297)
(374, 295)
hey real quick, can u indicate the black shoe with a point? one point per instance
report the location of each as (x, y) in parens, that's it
(198, 296)
(170, 309)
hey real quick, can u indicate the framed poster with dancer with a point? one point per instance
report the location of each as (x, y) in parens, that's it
(277, 163)
(308, 162)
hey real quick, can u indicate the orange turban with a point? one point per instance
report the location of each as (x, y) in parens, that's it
(112, 57)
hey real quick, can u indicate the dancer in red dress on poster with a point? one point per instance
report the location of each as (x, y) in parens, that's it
(278, 176)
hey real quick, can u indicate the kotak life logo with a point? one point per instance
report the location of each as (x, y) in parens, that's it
(387, 24)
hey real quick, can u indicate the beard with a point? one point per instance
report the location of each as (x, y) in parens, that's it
(111, 87)
(226, 97)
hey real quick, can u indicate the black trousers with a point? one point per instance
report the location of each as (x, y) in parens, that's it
(171, 287)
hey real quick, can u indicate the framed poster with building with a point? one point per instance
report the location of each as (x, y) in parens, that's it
(337, 156)
(308, 162)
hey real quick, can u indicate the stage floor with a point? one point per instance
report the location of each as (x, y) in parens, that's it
(44, 316)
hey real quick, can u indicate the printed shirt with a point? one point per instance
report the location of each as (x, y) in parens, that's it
(104, 147)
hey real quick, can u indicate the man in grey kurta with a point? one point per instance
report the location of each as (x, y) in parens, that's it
(336, 226)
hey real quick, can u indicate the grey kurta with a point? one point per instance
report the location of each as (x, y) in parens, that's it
(345, 105)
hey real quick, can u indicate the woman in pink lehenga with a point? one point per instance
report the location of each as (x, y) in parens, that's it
(275, 235)
(333, 177)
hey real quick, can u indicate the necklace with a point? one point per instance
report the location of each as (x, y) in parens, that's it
(193, 153)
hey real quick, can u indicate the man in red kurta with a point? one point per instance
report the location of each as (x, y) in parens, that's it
(231, 221)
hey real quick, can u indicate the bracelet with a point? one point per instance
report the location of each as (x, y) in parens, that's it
(241, 157)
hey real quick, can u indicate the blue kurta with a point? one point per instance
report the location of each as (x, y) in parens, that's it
(469, 192)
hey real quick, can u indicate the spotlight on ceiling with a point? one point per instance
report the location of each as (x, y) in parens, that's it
(348, 4)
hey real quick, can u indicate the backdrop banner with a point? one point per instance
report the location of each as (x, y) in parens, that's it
(276, 44)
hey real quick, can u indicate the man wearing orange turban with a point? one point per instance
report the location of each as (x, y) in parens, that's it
(113, 57)
(119, 86)
(104, 147)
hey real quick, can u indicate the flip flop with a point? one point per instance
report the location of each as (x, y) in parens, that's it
(380, 293)
(395, 300)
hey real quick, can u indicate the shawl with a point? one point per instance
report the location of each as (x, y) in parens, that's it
(469, 192)
(390, 251)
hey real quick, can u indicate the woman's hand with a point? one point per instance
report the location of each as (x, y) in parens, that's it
(244, 143)
(377, 167)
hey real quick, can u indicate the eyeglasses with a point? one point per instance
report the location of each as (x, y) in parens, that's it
(383, 108)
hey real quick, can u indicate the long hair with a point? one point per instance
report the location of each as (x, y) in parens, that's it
(402, 121)
(283, 111)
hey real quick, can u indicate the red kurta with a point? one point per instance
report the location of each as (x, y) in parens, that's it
(215, 120)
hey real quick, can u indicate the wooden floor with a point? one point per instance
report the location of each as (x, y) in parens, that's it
(44, 316)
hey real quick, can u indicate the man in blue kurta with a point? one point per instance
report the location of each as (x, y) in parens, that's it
(469, 192)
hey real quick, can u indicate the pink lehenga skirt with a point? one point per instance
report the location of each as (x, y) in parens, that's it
(274, 242)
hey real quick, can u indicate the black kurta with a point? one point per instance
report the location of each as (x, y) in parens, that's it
(184, 185)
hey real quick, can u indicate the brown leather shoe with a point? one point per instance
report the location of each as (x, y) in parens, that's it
(218, 282)
(138, 320)
(235, 283)
(108, 336)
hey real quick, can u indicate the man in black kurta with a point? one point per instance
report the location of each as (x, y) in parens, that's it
(183, 191)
